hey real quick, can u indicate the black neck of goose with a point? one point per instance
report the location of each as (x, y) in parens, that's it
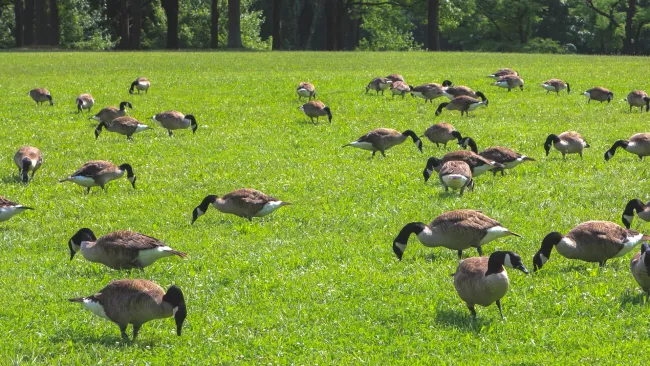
(440, 107)
(551, 139)
(123, 106)
(26, 165)
(192, 122)
(416, 139)
(98, 130)
(495, 263)
(399, 244)
(620, 143)
(457, 135)
(49, 97)
(481, 95)
(568, 88)
(634, 205)
(84, 234)
(472, 144)
(207, 201)
(645, 252)
(549, 241)
(133, 84)
(129, 170)
(329, 113)
(174, 297)
(447, 83)
(432, 163)
(647, 103)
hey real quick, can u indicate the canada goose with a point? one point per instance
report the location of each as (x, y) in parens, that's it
(464, 104)
(306, 90)
(556, 85)
(476, 162)
(599, 94)
(123, 125)
(378, 85)
(136, 302)
(430, 91)
(456, 174)
(9, 209)
(395, 77)
(640, 268)
(173, 120)
(28, 158)
(638, 98)
(441, 133)
(457, 230)
(400, 88)
(456, 91)
(120, 249)
(638, 144)
(84, 101)
(243, 202)
(316, 109)
(510, 82)
(591, 241)
(382, 139)
(569, 142)
(483, 281)
(508, 157)
(503, 72)
(110, 113)
(642, 210)
(99, 172)
(140, 84)
(40, 95)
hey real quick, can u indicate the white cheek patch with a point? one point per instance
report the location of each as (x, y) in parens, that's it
(507, 262)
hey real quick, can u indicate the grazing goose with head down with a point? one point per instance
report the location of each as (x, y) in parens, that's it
(400, 88)
(591, 241)
(508, 157)
(306, 90)
(243, 202)
(84, 101)
(599, 94)
(510, 82)
(642, 210)
(441, 133)
(140, 84)
(28, 158)
(316, 109)
(456, 174)
(379, 85)
(123, 125)
(457, 230)
(9, 209)
(173, 120)
(569, 142)
(456, 91)
(395, 77)
(503, 72)
(382, 139)
(638, 144)
(136, 302)
(40, 95)
(120, 249)
(640, 268)
(476, 162)
(556, 85)
(99, 172)
(430, 91)
(108, 114)
(638, 98)
(484, 281)
(463, 104)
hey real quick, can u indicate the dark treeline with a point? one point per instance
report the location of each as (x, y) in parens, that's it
(552, 26)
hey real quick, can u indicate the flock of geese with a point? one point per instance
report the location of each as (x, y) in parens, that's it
(478, 280)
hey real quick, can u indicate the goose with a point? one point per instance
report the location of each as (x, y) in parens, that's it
(395, 77)
(99, 172)
(173, 120)
(28, 158)
(140, 84)
(378, 85)
(456, 91)
(591, 241)
(638, 144)
(10, 209)
(640, 268)
(508, 157)
(464, 104)
(382, 139)
(40, 95)
(599, 94)
(457, 230)
(441, 133)
(400, 88)
(556, 85)
(84, 101)
(136, 302)
(316, 109)
(123, 125)
(569, 142)
(243, 202)
(484, 281)
(638, 98)
(503, 72)
(642, 210)
(430, 91)
(456, 174)
(120, 249)
(306, 90)
(476, 162)
(110, 113)
(510, 82)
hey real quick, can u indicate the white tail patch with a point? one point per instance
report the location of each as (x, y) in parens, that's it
(148, 256)
(83, 181)
(95, 307)
(455, 181)
(141, 128)
(629, 244)
(96, 118)
(268, 208)
(362, 145)
(494, 233)
(482, 169)
(8, 212)
(587, 94)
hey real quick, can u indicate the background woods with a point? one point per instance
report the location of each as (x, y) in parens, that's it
(553, 26)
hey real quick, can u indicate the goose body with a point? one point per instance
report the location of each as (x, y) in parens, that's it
(640, 268)
(84, 101)
(40, 95)
(508, 157)
(457, 230)
(476, 162)
(441, 133)
(173, 120)
(382, 139)
(126, 126)
(599, 94)
(510, 82)
(136, 302)
(243, 202)
(28, 158)
(642, 211)
(430, 91)
(556, 85)
(456, 174)
(97, 173)
(140, 84)
(395, 77)
(306, 90)
(638, 144)
(108, 114)
(457, 91)
(569, 142)
(463, 104)
(400, 88)
(484, 281)
(503, 72)
(379, 85)
(316, 109)
(591, 241)
(10, 209)
(638, 98)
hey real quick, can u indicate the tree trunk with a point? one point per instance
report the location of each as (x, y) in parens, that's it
(433, 26)
(330, 24)
(55, 23)
(629, 41)
(214, 25)
(41, 37)
(234, 24)
(29, 22)
(136, 23)
(171, 11)
(125, 38)
(277, 24)
(18, 12)
(341, 24)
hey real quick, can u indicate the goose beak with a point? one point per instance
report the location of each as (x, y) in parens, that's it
(522, 268)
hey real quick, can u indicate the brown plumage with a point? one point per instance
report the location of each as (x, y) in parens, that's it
(243, 202)
(638, 98)
(476, 162)
(503, 72)
(120, 249)
(640, 268)
(510, 82)
(457, 175)
(8, 209)
(599, 94)
(140, 84)
(463, 104)
(456, 91)
(40, 95)
(174, 120)
(110, 113)
(379, 85)
(316, 109)
(123, 125)
(569, 142)
(84, 101)
(99, 172)
(508, 157)
(28, 158)
(136, 302)
(428, 92)
(306, 90)
(638, 144)
(400, 88)
(395, 77)
(441, 133)
(556, 85)
(382, 139)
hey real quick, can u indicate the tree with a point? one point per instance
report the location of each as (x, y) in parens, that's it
(42, 36)
(433, 26)
(276, 18)
(234, 24)
(125, 37)
(214, 25)
(28, 22)
(136, 24)
(55, 23)
(171, 11)
(633, 24)
(18, 13)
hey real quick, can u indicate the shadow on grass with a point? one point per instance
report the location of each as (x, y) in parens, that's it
(461, 319)
(632, 298)
(12, 178)
(112, 340)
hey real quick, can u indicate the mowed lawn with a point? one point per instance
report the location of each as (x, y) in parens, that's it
(316, 282)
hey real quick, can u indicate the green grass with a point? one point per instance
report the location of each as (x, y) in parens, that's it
(316, 282)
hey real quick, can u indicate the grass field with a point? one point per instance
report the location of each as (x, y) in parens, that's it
(316, 282)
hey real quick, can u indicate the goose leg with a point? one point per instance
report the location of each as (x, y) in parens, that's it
(382, 153)
(472, 311)
(460, 254)
(170, 133)
(602, 263)
(123, 331)
(499, 306)
(87, 190)
(136, 330)
(479, 250)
